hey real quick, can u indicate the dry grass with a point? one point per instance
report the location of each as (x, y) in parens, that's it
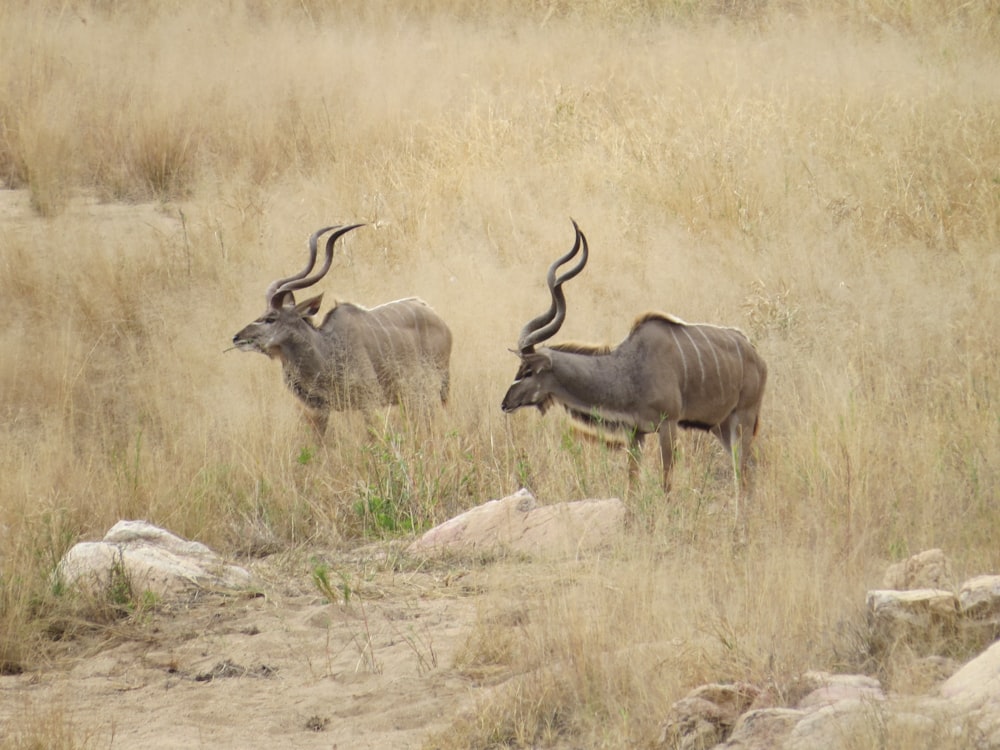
(827, 179)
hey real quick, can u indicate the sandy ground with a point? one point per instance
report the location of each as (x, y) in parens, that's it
(282, 668)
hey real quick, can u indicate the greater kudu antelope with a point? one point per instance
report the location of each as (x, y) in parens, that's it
(357, 358)
(665, 374)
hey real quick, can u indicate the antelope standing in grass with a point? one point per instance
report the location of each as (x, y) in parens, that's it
(357, 358)
(665, 374)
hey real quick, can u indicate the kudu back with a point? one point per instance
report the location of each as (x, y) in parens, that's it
(665, 374)
(357, 358)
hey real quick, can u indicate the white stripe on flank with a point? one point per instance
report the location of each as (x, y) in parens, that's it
(416, 321)
(684, 360)
(739, 350)
(377, 338)
(701, 364)
(715, 356)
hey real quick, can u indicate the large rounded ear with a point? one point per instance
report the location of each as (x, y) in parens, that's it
(537, 362)
(281, 300)
(309, 307)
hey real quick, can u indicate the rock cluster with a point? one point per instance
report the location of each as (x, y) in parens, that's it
(834, 711)
(920, 606)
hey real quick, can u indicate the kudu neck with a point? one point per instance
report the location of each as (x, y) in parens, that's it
(590, 376)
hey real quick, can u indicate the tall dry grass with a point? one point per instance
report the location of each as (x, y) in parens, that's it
(825, 176)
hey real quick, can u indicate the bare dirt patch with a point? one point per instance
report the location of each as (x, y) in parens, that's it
(281, 667)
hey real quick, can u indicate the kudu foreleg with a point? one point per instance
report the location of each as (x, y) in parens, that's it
(634, 450)
(668, 440)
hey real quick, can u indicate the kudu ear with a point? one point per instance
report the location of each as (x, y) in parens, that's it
(538, 362)
(309, 307)
(282, 300)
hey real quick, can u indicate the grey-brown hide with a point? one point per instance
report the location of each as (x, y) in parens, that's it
(666, 374)
(357, 357)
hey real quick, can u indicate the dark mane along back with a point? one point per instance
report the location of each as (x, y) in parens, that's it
(658, 316)
(574, 347)
(673, 320)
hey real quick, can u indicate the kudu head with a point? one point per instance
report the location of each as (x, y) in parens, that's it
(530, 386)
(283, 317)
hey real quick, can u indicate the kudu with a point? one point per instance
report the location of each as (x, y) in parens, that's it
(665, 374)
(357, 358)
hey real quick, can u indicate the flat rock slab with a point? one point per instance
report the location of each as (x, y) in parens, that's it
(518, 524)
(154, 560)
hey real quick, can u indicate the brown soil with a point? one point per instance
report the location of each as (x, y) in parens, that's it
(283, 667)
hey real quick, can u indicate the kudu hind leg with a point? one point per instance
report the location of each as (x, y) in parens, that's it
(747, 431)
(445, 388)
(736, 433)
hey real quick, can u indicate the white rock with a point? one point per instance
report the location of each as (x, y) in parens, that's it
(929, 569)
(974, 692)
(912, 603)
(829, 689)
(979, 597)
(706, 715)
(154, 560)
(839, 725)
(919, 616)
(517, 523)
(762, 729)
